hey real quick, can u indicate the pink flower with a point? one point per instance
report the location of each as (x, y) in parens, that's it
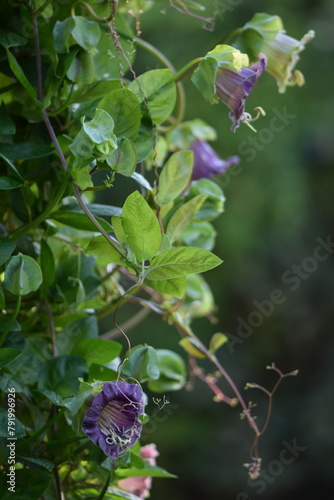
(140, 486)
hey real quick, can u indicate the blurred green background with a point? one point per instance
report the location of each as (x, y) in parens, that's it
(277, 207)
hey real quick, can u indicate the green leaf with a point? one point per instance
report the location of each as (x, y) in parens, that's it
(85, 32)
(200, 234)
(174, 286)
(10, 39)
(124, 108)
(175, 176)
(141, 227)
(8, 354)
(100, 247)
(23, 275)
(61, 374)
(140, 179)
(7, 247)
(147, 471)
(192, 347)
(75, 403)
(9, 183)
(94, 91)
(96, 209)
(47, 265)
(81, 70)
(82, 177)
(30, 484)
(146, 138)
(7, 126)
(18, 72)
(99, 372)
(214, 204)
(47, 8)
(42, 462)
(100, 128)
(61, 34)
(183, 216)
(19, 428)
(91, 304)
(172, 372)
(118, 230)
(217, 340)
(12, 167)
(199, 300)
(25, 150)
(79, 221)
(157, 89)
(187, 132)
(98, 351)
(124, 159)
(142, 364)
(180, 262)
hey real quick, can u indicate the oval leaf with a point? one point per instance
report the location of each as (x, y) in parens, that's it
(141, 227)
(142, 364)
(175, 176)
(123, 106)
(158, 89)
(192, 347)
(172, 372)
(23, 275)
(180, 262)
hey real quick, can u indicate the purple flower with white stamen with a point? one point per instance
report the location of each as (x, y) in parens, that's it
(112, 421)
(207, 163)
(234, 87)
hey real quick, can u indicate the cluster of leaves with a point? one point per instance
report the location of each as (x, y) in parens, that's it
(72, 124)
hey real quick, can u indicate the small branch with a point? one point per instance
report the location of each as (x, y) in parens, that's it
(211, 383)
(227, 377)
(38, 58)
(98, 226)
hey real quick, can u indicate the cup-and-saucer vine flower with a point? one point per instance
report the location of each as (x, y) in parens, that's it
(265, 33)
(207, 163)
(112, 421)
(225, 74)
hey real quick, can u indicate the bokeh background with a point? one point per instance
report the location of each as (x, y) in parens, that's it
(278, 206)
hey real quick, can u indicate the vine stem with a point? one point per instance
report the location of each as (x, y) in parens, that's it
(188, 69)
(211, 383)
(128, 325)
(61, 156)
(98, 226)
(11, 321)
(230, 35)
(222, 370)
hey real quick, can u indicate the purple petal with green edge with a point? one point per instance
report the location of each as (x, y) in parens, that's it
(207, 163)
(112, 420)
(234, 87)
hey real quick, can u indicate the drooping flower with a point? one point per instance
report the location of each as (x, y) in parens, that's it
(283, 55)
(207, 163)
(112, 421)
(233, 88)
(266, 33)
(140, 486)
